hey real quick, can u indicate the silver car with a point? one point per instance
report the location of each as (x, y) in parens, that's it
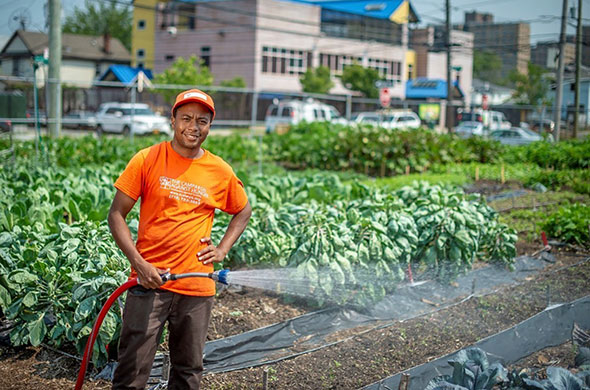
(515, 136)
(124, 118)
(469, 128)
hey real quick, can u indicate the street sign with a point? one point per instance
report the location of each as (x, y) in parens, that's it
(384, 83)
(41, 60)
(384, 97)
(484, 101)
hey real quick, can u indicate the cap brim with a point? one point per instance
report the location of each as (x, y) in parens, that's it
(194, 100)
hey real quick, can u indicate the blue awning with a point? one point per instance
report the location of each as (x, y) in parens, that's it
(379, 9)
(423, 88)
(124, 74)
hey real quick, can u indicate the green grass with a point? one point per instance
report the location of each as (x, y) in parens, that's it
(396, 182)
(519, 172)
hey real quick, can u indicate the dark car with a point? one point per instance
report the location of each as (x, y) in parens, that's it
(31, 117)
(79, 120)
(547, 125)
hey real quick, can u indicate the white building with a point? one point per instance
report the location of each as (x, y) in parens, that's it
(84, 57)
(270, 43)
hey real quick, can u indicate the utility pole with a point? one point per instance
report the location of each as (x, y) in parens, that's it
(449, 114)
(578, 66)
(54, 68)
(559, 91)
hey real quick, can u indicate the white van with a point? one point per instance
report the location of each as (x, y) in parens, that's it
(291, 112)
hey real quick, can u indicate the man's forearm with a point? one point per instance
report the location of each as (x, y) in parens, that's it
(122, 235)
(235, 228)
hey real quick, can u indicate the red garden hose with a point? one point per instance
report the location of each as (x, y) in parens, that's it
(218, 276)
(90, 343)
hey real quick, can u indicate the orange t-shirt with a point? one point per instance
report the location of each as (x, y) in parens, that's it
(178, 201)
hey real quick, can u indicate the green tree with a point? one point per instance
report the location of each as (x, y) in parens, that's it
(236, 82)
(531, 88)
(487, 66)
(317, 80)
(357, 78)
(183, 72)
(98, 18)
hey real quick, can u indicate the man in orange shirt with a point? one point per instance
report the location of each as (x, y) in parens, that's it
(180, 185)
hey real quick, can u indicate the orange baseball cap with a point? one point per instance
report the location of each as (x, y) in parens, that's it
(194, 96)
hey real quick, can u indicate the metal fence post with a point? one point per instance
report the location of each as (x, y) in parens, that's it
(348, 106)
(133, 100)
(253, 112)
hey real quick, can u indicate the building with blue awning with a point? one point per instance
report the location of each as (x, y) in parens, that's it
(431, 89)
(271, 43)
(124, 74)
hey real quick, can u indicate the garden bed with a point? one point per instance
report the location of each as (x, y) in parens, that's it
(361, 359)
(359, 356)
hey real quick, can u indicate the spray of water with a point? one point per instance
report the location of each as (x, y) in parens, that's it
(361, 282)
(292, 281)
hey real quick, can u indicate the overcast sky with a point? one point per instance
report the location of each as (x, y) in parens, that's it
(543, 15)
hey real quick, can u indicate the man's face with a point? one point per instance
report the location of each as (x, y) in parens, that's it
(191, 125)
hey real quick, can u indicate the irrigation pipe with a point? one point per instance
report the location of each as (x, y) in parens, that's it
(220, 276)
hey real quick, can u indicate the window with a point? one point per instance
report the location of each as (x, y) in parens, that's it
(140, 53)
(318, 114)
(141, 24)
(16, 67)
(186, 16)
(170, 57)
(346, 25)
(410, 71)
(287, 112)
(140, 65)
(206, 56)
(285, 61)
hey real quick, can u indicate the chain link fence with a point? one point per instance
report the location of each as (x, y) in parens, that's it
(243, 107)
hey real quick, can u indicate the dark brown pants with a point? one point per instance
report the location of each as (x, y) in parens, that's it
(145, 313)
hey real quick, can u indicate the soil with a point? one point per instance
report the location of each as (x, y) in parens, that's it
(362, 355)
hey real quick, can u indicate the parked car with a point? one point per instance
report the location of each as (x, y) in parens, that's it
(291, 112)
(515, 136)
(42, 115)
(115, 117)
(469, 128)
(492, 120)
(79, 120)
(546, 124)
(404, 119)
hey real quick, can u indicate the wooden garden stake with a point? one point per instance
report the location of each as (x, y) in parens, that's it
(404, 383)
(407, 169)
(265, 379)
(476, 173)
(502, 178)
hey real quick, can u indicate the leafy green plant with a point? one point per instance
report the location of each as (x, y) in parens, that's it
(471, 371)
(570, 224)
(570, 154)
(52, 286)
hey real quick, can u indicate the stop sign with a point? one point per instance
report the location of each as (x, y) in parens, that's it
(484, 101)
(384, 97)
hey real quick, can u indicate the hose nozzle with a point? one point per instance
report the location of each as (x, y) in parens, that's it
(220, 276)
